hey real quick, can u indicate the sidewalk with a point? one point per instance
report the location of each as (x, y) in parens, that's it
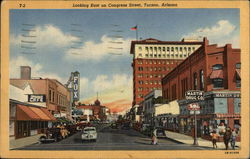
(201, 142)
(18, 143)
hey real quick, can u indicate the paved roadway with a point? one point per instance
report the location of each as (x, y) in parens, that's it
(113, 139)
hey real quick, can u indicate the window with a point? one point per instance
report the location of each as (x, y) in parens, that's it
(238, 80)
(53, 96)
(217, 67)
(146, 55)
(140, 48)
(147, 50)
(193, 48)
(163, 49)
(218, 82)
(195, 80)
(201, 80)
(140, 68)
(167, 48)
(172, 48)
(189, 48)
(180, 48)
(50, 97)
(238, 66)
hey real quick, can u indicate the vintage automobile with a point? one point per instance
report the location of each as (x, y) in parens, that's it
(160, 132)
(51, 135)
(89, 133)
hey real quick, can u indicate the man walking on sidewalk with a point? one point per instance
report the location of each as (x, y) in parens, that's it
(233, 138)
(227, 137)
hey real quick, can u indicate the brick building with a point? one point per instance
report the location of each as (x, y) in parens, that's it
(57, 96)
(153, 59)
(216, 71)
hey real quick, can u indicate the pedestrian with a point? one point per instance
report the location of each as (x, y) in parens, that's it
(214, 136)
(154, 138)
(227, 137)
(233, 138)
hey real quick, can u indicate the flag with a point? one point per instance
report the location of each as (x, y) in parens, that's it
(134, 28)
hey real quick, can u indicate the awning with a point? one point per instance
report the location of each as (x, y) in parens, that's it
(25, 113)
(228, 115)
(216, 74)
(48, 114)
(238, 72)
(33, 113)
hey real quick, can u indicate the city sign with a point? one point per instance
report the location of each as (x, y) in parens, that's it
(194, 95)
(36, 98)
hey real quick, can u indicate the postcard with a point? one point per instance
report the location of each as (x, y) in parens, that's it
(124, 79)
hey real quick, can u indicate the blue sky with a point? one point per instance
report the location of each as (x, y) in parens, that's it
(55, 55)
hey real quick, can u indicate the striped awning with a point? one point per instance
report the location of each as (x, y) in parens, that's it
(216, 74)
(238, 72)
(33, 113)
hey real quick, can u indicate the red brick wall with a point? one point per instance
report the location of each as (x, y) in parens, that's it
(165, 65)
(204, 58)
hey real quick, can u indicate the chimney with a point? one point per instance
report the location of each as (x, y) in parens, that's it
(25, 72)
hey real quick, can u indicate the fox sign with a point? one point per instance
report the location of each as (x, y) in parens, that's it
(76, 84)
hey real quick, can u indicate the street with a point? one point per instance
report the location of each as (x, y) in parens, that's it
(113, 139)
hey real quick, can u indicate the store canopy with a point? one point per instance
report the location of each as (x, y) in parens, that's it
(40, 113)
(25, 113)
(238, 72)
(216, 74)
(33, 113)
(48, 114)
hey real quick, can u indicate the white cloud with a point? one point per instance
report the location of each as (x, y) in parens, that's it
(117, 81)
(45, 36)
(91, 50)
(36, 69)
(221, 33)
(84, 86)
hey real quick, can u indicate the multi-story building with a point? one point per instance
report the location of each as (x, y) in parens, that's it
(153, 59)
(216, 71)
(149, 106)
(55, 95)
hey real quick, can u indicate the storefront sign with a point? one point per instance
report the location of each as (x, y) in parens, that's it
(226, 95)
(36, 98)
(194, 95)
(193, 107)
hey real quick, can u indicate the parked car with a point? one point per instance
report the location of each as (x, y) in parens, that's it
(160, 132)
(114, 126)
(89, 133)
(51, 135)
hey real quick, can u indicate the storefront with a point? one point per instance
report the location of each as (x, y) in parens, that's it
(27, 120)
